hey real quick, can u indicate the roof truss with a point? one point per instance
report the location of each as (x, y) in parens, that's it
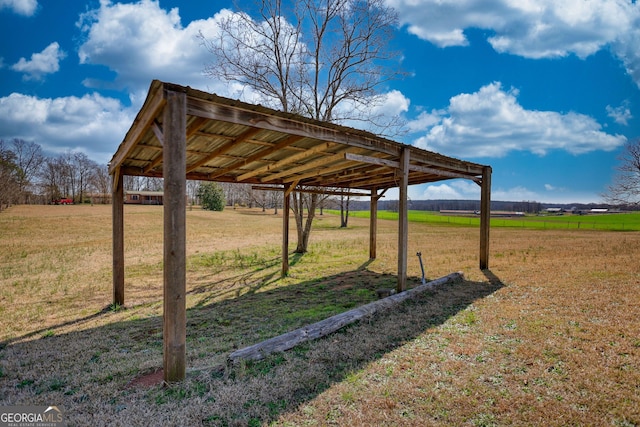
(230, 141)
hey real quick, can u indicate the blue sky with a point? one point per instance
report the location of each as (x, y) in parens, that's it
(546, 92)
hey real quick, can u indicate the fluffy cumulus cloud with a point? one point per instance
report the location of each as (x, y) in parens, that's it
(21, 7)
(491, 123)
(466, 190)
(532, 29)
(41, 63)
(379, 114)
(141, 41)
(452, 190)
(620, 115)
(93, 122)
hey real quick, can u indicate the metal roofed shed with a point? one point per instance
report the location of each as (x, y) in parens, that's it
(181, 133)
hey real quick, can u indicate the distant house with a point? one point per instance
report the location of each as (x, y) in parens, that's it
(143, 197)
(554, 210)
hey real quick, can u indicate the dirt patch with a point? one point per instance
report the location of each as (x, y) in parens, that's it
(147, 380)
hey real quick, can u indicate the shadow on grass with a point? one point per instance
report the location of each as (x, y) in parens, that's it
(81, 368)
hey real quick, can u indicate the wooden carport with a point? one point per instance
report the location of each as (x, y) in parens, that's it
(181, 133)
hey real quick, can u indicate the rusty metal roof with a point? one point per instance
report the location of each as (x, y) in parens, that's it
(232, 141)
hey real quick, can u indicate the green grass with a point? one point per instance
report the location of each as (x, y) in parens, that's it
(611, 222)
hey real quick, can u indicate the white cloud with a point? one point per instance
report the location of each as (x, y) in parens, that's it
(141, 42)
(452, 190)
(93, 124)
(42, 63)
(392, 103)
(425, 120)
(532, 29)
(626, 48)
(21, 7)
(491, 123)
(466, 190)
(379, 114)
(517, 193)
(620, 115)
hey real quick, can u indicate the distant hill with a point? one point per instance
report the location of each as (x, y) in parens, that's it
(472, 205)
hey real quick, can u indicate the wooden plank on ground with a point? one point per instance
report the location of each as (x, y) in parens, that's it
(325, 327)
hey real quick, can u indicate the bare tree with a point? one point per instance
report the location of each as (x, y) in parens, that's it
(303, 228)
(344, 209)
(29, 159)
(9, 176)
(82, 168)
(625, 188)
(53, 178)
(324, 59)
(100, 181)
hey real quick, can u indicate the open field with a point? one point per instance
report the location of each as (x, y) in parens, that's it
(549, 336)
(610, 222)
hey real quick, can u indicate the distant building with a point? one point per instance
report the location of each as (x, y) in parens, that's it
(554, 210)
(143, 197)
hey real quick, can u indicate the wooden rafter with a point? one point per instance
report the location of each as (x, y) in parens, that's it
(287, 160)
(316, 166)
(150, 109)
(224, 148)
(286, 142)
(191, 130)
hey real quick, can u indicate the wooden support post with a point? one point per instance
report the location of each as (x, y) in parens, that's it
(175, 208)
(286, 206)
(117, 207)
(403, 220)
(485, 217)
(373, 223)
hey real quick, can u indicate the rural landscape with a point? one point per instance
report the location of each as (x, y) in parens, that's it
(549, 335)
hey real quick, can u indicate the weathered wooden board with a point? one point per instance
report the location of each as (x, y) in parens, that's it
(325, 327)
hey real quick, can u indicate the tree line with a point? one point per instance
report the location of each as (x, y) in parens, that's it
(29, 176)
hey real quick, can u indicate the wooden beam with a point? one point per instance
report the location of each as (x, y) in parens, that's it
(153, 104)
(312, 191)
(320, 176)
(294, 158)
(291, 125)
(485, 217)
(372, 160)
(330, 325)
(403, 220)
(412, 168)
(117, 217)
(291, 139)
(377, 178)
(373, 223)
(286, 206)
(193, 128)
(157, 131)
(319, 163)
(174, 172)
(224, 148)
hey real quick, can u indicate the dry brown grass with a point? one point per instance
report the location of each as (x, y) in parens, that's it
(550, 336)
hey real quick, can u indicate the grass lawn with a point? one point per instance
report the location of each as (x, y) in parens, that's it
(549, 336)
(611, 222)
